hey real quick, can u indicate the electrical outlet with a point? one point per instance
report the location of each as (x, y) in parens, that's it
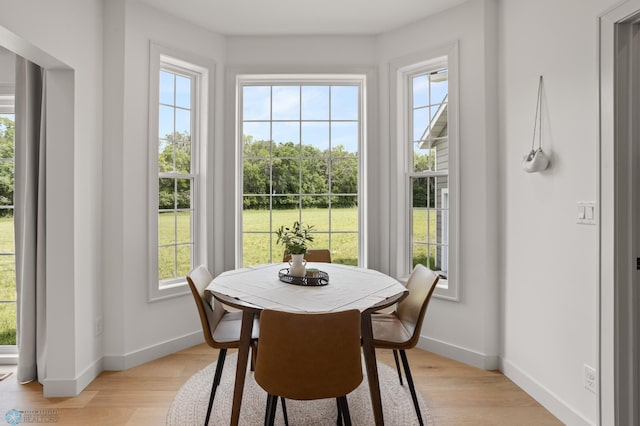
(590, 378)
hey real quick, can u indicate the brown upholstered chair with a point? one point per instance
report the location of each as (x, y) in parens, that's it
(309, 356)
(313, 255)
(400, 330)
(221, 328)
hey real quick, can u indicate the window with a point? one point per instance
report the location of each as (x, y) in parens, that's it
(7, 240)
(428, 141)
(177, 186)
(429, 169)
(301, 161)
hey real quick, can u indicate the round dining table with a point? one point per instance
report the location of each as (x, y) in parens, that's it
(259, 287)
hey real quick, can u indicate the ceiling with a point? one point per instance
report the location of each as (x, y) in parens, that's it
(302, 17)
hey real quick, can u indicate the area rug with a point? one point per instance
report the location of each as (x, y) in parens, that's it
(189, 406)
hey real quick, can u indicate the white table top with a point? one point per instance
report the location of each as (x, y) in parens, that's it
(349, 288)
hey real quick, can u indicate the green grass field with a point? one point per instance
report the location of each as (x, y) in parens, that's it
(7, 283)
(424, 250)
(174, 261)
(259, 246)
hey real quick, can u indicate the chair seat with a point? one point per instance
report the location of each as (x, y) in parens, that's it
(389, 332)
(228, 329)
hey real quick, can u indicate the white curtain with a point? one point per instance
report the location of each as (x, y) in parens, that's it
(29, 219)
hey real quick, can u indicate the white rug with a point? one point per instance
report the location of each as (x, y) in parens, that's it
(189, 406)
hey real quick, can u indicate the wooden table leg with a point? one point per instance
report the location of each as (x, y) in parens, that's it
(369, 352)
(241, 369)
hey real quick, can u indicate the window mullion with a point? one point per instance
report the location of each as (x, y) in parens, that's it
(173, 175)
(313, 151)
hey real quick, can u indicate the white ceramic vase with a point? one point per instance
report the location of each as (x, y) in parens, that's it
(297, 266)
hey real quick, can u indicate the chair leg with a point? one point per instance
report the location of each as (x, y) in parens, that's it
(344, 408)
(407, 373)
(267, 410)
(395, 357)
(339, 419)
(284, 412)
(222, 354)
(270, 414)
(254, 354)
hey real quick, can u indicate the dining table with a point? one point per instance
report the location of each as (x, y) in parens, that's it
(259, 287)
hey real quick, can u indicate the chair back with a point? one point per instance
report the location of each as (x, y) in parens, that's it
(411, 310)
(309, 356)
(313, 255)
(210, 316)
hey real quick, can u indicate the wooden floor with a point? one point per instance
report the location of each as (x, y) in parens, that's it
(456, 393)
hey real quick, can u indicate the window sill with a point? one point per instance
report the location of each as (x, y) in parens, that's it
(168, 291)
(442, 291)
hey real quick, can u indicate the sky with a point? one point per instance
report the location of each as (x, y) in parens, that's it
(182, 102)
(316, 115)
(322, 116)
(429, 91)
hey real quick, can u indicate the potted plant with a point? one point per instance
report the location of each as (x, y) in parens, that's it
(296, 242)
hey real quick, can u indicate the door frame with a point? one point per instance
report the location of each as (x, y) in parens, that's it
(619, 57)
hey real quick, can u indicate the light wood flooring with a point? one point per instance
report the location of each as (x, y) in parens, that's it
(456, 393)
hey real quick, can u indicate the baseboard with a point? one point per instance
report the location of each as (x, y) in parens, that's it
(460, 354)
(141, 356)
(72, 387)
(546, 398)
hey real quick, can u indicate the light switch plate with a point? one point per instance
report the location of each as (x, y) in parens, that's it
(587, 213)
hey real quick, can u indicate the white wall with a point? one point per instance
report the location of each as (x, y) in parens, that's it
(548, 262)
(55, 38)
(136, 330)
(545, 262)
(7, 67)
(466, 330)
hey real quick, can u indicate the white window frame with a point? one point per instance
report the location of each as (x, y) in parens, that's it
(359, 79)
(8, 353)
(202, 72)
(402, 70)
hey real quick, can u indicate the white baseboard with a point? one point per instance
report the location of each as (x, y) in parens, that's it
(72, 387)
(547, 399)
(141, 356)
(460, 354)
(565, 413)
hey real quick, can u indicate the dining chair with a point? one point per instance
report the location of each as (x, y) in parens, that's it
(400, 330)
(312, 255)
(306, 356)
(220, 327)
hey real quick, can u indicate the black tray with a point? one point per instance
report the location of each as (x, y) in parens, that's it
(322, 278)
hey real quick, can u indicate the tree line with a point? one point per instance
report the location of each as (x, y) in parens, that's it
(7, 153)
(274, 173)
(269, 168)
(287, 168)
